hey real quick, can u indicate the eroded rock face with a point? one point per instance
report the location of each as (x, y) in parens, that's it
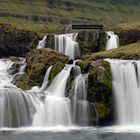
(38, 61)
(15, 42)
(100, 88)
(91, 41)
(129, 36)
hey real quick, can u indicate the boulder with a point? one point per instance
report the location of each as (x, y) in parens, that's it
(100, 89)
(38, 61)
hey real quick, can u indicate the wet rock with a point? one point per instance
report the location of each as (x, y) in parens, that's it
(91, 41)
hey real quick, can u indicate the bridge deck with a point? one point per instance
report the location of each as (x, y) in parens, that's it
(88, 26)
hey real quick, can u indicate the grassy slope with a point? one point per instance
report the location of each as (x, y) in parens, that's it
(131, 51)
(76, 11)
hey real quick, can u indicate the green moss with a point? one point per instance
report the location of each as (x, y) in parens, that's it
(84, 65)
(55, 70)
(13, 58)
(100, 88)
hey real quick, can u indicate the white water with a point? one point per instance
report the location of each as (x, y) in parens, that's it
(5, 78)
(126, 89)
(60, 108)
(66, 44)
(51, 106)
(56, 108)
(23, 66)
(42, 43)
(80, 104)
(113, 41)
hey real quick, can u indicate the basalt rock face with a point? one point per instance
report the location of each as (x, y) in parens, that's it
(129, 36)
(38, 61)
(15, 42)
(91, 41)
(100, 89)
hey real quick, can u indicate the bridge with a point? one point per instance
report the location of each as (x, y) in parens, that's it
(88, 26)
(85, 26)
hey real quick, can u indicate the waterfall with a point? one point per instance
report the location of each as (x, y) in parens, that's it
(126, 89)
(46, 106)
(79, 98)
(59, 107)
(113, 41)
(56, 107)
(5, 78)
(17, 107)
(66, 44)
(23, 66)
(42, 43)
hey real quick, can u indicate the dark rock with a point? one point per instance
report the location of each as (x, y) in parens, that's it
(91, 41)
(15, 42)
(129, 36)
(14, 69)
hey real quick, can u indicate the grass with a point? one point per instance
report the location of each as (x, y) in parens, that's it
(131, 51)
(64, 10)
(126, 26)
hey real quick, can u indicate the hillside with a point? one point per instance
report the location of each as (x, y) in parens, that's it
(47, 15)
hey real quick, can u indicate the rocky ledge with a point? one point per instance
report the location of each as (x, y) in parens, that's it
(14, 42)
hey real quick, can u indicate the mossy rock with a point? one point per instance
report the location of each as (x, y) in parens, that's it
(38, 62)
(56, 69)
(100, 88)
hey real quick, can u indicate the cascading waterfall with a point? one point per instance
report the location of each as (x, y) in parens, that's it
(59, 107)
(66, 44)
(79, 98)
(56, 108)
(42, 43)
(16, 107)
(113, 41)
(54, 103)
(126, 89)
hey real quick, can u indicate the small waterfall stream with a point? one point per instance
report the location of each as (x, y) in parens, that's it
(42, 43)
(113, 41)
(66, 44)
